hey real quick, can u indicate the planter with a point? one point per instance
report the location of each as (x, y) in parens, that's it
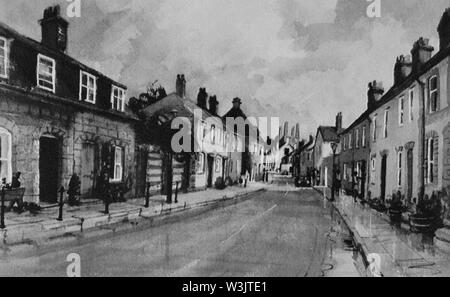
(421, 224)
(395, 215)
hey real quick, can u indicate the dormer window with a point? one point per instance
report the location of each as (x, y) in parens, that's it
(88, 87)
(3, 58)
(118, 99)
(46, 73)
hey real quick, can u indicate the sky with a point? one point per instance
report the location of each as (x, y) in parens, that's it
(301, 60)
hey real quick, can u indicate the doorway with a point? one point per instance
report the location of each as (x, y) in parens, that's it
(88, 169)
(210, 171)
(383, 177)
(409, 177)
(141, 172)
(49, 168)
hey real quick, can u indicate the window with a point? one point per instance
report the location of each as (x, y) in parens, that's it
(399, 168)
(118, 164)
(213, 134)
(433, 95)
(201, 164)
(430, 161)
(364, 136)
(357, 138)
(401, 111)
(5, 155)
(411, 105)
(3, 57)
(345, 172)
(88, 87)
(374, 134)
(46, 73)
(385, 127)
(374, 160)
(350, 141)
(118, 99)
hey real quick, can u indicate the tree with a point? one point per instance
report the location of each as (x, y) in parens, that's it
(155, 92)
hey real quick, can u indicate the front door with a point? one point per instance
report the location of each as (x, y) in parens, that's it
(410, 173)
(210, 171)
(141, 172)
(49, 169)
(383, 177)
(88, 169)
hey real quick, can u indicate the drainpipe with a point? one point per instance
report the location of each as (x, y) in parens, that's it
(422, 132)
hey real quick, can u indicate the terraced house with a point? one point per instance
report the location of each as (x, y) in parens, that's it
(410, 133)
(59, 117)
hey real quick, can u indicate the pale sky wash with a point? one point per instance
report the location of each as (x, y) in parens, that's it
(205, 128)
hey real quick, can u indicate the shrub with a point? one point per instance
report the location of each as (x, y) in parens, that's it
(220, 184)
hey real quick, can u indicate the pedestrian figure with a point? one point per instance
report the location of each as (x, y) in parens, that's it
(105, 188)
(16, 184)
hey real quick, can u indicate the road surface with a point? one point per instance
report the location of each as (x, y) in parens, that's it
(273, 234)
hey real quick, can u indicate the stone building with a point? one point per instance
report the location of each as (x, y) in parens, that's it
(59, 117)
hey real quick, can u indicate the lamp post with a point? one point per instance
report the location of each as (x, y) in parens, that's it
(334, 147)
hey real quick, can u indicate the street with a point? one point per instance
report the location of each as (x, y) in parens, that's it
(276, 233)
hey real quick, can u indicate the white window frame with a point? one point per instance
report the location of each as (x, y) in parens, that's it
(201, 163)
(411, 105)
(385, 125)
(401, 111)
(345, 171)
(374, 162)
(5, 58)
(94, 89)
(357, 138)
(53, 74)
(118, 164)
(350, 138)
(431, 92)
(120, 101)
(8, 158)
(364, 135)
(400, 168)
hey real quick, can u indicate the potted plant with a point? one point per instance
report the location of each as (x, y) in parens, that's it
(396, 208)
(428, 216)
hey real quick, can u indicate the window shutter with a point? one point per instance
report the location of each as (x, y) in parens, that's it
(436, 160)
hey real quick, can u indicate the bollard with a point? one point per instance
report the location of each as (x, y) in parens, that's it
(2, 215)
(176, 193)
(147, 196)
(61, 204)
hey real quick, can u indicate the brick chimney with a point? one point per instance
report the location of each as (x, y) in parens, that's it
(54, 29)
(444, 30)
(286, 129)
(237, 102)
(402, 69)
(374, 93)
(213, 105)
(297, 131)
(202, 98)
(339, 122)
(421, 53)
(181, 86)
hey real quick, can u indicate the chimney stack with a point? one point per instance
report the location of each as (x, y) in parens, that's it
(339, 122)
(374, 94)
(421, 53)
(402, 69)
(444, 30)
(297, 131)
(286, 129)
(202, 98)
(181, 86)
(237, 102)
(54, 29)
(213, 105)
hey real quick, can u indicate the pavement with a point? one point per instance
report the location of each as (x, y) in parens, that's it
(27, 230)
(401, 252)
(281, 232)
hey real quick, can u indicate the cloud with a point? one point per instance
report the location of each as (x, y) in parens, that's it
(301, 60)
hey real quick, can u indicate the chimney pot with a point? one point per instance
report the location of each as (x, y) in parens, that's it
(374, 94)
(444, 30)
(402, 69)
(421, 53)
